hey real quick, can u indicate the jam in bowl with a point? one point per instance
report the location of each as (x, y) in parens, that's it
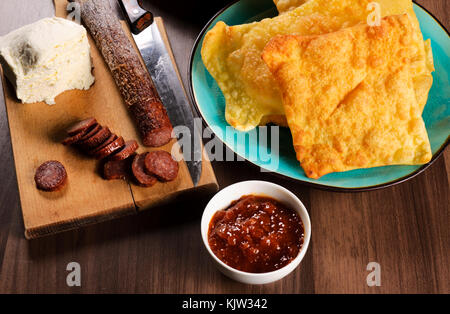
(256, 232)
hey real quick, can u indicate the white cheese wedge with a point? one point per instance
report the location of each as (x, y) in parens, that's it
(46, 58)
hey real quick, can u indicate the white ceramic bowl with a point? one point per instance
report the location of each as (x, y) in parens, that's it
(233, 192)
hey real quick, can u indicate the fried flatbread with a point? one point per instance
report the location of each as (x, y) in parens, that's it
(349, 97)
(288, 5)
(232, 55)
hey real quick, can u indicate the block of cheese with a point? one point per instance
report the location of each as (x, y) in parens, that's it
(46, 58)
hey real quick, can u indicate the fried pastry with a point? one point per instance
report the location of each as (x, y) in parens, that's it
(232, 55)
(288, 5)
(349, 97)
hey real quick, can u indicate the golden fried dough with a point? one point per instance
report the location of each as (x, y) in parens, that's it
(232, 55)
(349, 97)
(288, 5)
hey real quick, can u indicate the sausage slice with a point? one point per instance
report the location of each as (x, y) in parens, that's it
(129, 149)
(162, 165)
(117, 169)
(109, 149)
(50, 176)
(81, 126)
(72, 139)
(95, 140)
(137, 167)
(91, 132)
(108, 141)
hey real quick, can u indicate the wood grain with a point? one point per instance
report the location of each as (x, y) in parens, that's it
(404, 228)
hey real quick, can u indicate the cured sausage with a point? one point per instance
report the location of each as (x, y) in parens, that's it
(74, 138)
(109, 149)
(132, 78)
(137, 167)
(129, 149)
(162, 165)
(119, 157)
(92, 130)
(154, 125)
(81, 126)
(95, 140)
(50, 176)
(108, 141)
(117, 169)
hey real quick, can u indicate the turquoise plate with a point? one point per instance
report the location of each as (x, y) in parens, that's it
(210, 104)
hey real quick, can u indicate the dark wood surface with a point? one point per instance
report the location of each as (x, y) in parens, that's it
(403, 228)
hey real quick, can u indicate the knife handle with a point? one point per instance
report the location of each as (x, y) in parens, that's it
(137, 17)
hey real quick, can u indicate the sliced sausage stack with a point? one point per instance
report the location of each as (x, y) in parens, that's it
(119, 156)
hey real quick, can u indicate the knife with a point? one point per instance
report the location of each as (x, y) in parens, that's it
(159, 64)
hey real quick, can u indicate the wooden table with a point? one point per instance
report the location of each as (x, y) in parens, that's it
(404, 228)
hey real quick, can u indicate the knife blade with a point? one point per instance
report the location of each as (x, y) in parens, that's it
(159, 64)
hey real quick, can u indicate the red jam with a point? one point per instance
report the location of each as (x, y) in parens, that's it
(256, 234)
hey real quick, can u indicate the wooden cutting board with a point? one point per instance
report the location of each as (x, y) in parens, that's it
(36, 132)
